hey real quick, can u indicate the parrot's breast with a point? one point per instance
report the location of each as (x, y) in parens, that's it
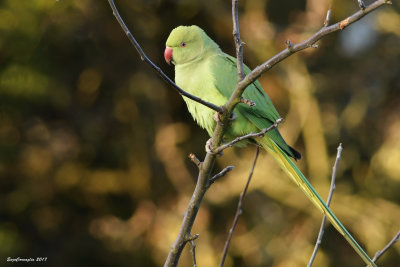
(198, 80)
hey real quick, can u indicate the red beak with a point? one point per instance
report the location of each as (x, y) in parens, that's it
(168, 55)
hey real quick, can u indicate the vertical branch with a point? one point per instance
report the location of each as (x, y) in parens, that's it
(238, 210)
(328, 202)
(238, 42)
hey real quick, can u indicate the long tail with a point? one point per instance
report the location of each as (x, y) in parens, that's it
(291, 169)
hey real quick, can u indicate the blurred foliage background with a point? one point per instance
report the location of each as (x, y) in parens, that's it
(93, 144)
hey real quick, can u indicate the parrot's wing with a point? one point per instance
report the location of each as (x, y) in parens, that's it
(263, 114)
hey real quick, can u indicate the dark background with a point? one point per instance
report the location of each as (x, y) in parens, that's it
(93, 144)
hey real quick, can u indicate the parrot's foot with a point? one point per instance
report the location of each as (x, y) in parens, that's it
(217, 118)
(210, 150)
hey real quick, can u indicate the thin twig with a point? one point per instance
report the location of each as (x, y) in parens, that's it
(248, 136)
(328, 202)
(238, 42)
(238, 210)
(220, 174)
(379, 253)
(193, 248)
(144, 57)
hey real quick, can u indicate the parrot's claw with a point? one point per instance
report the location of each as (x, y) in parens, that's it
(210, 150)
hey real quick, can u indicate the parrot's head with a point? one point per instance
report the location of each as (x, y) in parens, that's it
(187, 43)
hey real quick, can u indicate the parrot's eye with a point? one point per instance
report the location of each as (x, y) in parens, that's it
(183, 44)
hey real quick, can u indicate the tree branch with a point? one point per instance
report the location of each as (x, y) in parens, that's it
(328, 202)
(144, 57)
(238, 42)
(238, 210)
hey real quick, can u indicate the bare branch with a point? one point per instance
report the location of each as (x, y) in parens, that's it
(379, 253)
(143, 57)
(220, 174)
(238, 210)
(238, 42)
(328, 202)
(248, 136)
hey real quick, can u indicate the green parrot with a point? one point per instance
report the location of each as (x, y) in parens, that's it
(202, 69)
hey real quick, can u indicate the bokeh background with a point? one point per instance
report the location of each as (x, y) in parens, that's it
(93, 144)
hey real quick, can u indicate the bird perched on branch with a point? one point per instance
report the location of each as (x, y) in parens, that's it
(202, 69)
